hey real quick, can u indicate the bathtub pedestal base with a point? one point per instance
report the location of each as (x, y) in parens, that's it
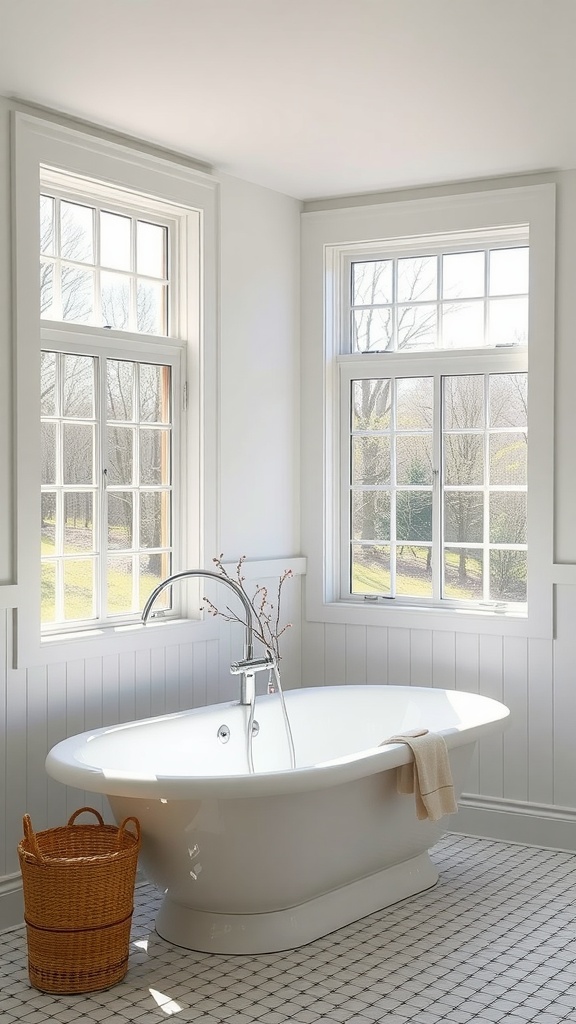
(295, 926)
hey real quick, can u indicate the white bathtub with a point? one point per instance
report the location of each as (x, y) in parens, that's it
(271, 860)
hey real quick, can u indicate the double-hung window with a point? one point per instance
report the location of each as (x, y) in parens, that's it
(428, 410)
(434, 424)
(110, 408)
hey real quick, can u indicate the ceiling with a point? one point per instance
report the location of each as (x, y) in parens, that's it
(313, 98)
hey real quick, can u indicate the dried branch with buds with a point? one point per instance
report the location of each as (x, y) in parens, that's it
(266, 615)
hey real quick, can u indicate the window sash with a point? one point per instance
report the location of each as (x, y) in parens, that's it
(151, 354)
(435, 366)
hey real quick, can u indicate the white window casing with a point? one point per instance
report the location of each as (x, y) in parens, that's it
(187, 200)
(331, 240)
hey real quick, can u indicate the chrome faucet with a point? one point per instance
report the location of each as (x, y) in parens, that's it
(249, 665)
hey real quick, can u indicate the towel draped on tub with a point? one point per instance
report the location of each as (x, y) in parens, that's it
(428, 776)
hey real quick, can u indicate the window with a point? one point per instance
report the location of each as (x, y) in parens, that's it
(109, 450)
(116, 376)
(434, 491)
(427, 363)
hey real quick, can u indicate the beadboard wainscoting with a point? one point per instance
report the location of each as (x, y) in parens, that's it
(42, 705)
(522, 785)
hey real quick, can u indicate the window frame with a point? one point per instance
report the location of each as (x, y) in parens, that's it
(193, 196)
(330, 238)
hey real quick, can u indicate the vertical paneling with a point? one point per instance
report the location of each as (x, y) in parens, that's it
(157, 680)
(186, 698)
(142, 678)
(126, 687)
(355, 654)
(444, 660)
(199, 675)
(172, 688)
(541, 722)
(565, 698)
(334, 654)
(110, 694)
(313, 668)
(37, 730)
(56, 731)
(75, 719)
(515, 696)
(421, 657)
(399, 656)
(491, 748)
(376, 655)
(467, 669)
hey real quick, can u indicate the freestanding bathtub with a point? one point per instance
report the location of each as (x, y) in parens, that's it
(271, 860)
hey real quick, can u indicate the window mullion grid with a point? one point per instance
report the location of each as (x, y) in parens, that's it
(59, 477)
(486, 492)
(393, 477)
(133, 283)
(101, 574)
(437, 491)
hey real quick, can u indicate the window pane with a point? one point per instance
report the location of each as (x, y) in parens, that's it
(370, 569)
(77, 295)
(417, 278)
(78, 522)
(371, 460)
(151, 308)
(115, 298)
(463, 516)
(509, 271)
(464, 459)
(372, 330)
(48, 383)
(372, 282)
(119, 389)
(115, 249)
(78, 588)
(119, 579)
(152, 570)
(463, 402)
(508, 575)
(155, 519)
(48, 523)
(508, 399)
(154, 393)
(417, 327)
(154, 457)
(414, 459)
(508, 517)
(120, 455)
(47, 307)
(78, 388)
(371, 404)
(48, 592)
(414, 515)
(508, 459)
(77, 453)
(76, 232)
(414, 571)
(463, 275)
(47, 225)
(463, 574)
(414, 403)
(509, 321)
(371, 515)
(120, 520)
(48, 452)
(463, 325)
(151, 245)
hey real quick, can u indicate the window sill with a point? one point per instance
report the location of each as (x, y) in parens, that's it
(110, 640)
(450, 619)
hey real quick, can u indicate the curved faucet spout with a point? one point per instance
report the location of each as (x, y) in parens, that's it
(249, 666)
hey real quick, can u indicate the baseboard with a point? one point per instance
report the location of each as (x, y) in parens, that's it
(11, 902)
(516, 821)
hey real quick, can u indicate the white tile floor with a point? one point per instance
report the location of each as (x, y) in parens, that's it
(495, 940)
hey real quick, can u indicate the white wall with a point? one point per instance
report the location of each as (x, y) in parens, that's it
(257, 485)
(523, 784)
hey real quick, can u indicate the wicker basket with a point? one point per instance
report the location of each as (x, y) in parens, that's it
(78, 883)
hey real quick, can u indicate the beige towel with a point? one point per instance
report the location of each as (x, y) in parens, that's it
(428, 776)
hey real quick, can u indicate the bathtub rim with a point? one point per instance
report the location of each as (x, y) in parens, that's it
(62, 765)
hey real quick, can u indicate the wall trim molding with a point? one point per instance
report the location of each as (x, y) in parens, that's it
(517, 821)
(11, 901)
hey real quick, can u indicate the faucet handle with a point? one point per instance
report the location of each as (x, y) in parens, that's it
(252, 665)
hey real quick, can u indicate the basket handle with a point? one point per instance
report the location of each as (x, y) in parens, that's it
(81, 810)
(122, 828)
(30, 835)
